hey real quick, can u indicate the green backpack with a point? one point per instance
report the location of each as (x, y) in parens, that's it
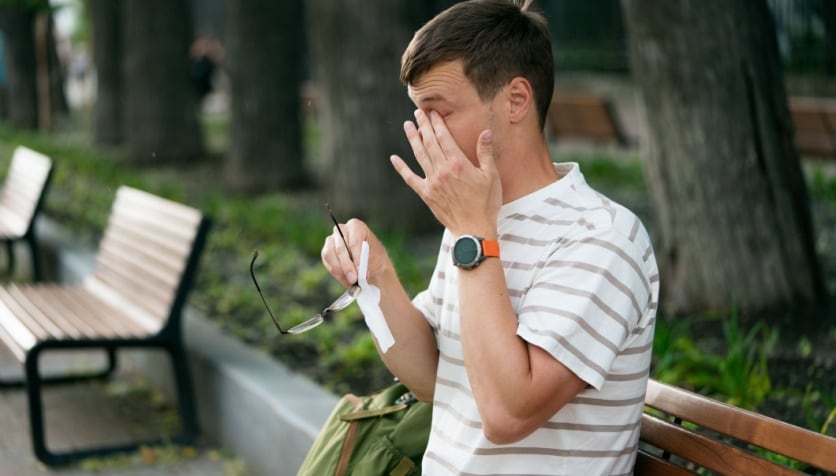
(382, 434)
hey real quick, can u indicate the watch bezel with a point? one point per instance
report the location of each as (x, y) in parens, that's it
(478, 258)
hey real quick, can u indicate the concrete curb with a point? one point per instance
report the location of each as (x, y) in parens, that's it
(246, 401)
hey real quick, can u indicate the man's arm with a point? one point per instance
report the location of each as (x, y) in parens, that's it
(517, 386)
(414, 356)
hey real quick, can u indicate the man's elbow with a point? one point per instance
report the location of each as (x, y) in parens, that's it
(506, 430)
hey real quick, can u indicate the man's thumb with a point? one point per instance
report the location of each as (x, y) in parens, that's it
(484, 149)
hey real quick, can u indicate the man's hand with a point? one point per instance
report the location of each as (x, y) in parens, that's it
(336, 257)
(465, 197)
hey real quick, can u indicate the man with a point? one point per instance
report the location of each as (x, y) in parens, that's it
(533, 339)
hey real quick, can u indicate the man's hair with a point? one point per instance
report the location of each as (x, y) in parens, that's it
(496, 40)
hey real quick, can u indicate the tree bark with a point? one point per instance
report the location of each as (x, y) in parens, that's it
(160, 103)
(18, 22)
(730, 202)
(263, 54)
(357, 46)
(107, 52)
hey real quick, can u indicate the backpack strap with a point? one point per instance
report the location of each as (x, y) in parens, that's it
(403, 468)
(348, 443)
(363, 414)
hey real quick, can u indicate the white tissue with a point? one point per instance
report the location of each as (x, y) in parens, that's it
(369, 302)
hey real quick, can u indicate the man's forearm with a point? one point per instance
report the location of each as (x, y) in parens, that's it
(414, 356)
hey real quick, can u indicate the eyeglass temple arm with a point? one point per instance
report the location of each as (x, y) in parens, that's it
(339, 230)
(261, 295)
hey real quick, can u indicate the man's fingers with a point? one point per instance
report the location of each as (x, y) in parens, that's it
(416, 142)
(446, 144)
(428, 136)
(409, 177)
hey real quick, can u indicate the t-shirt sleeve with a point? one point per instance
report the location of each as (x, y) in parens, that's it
(428, 301)
(585, 301)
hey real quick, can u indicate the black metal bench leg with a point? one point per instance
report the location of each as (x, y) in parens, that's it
(36, 416)
(185, 394)
(10, 253)
(37, 271)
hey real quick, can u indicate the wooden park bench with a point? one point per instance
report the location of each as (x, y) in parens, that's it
(134, 298)
(20, 201)
(683, 432)
(814, 120)
(584, 116)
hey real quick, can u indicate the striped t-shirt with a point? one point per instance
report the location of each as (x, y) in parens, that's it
(583, 282)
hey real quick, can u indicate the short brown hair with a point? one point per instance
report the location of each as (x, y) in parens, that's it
(496, 40)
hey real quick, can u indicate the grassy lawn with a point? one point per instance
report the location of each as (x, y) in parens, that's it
(288, 230)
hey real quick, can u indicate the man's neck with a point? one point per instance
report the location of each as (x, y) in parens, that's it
(526, 171)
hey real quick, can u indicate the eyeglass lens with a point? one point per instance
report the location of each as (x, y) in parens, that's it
(339, 304)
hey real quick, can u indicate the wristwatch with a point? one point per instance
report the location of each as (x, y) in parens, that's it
(470, 250)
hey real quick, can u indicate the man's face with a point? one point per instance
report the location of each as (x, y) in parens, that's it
(446, 90)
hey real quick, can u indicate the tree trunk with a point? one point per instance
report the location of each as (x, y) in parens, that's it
(362, 106)
(107, 52)
(17, 23)
(160, 103)
(829, 20)
(731, 207)
(264, 63)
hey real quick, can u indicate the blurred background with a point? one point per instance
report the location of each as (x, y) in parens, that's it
(714, 120)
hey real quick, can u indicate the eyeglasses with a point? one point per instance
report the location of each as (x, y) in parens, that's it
(339, 304)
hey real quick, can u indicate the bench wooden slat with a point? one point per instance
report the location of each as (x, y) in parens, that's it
(39, 330)
(760, 430)
(57, 326)
(17, 336)
(154, 307)
(651, 465)
(83, 315)
(706, 452)
(55, 302)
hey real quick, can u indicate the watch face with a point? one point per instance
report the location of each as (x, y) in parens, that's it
(466, 251)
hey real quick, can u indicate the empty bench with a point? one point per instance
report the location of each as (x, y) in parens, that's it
(134, 298)
(683, 433)
(20, 201)
(814, 120)
(584, 116)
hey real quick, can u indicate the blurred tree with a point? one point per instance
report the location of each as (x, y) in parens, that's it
(34, 71)
(263, 59)
(107, 54)
(829, 21)
(731, 207)
(357, 46)
(160, 104)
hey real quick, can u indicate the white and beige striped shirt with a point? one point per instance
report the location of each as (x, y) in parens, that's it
(584, 283)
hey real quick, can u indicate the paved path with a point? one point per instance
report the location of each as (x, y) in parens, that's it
(121, 410)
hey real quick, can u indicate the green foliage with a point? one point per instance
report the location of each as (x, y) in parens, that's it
(736, 371)
(821, 181)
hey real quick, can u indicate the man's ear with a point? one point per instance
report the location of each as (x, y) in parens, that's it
(521, 99)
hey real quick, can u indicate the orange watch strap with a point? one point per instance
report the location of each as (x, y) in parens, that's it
(490, 248)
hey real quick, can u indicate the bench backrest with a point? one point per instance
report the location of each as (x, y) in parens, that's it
(148, 256)
(815, 125)
(687, 429)
(23, 190)
(585, 116)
